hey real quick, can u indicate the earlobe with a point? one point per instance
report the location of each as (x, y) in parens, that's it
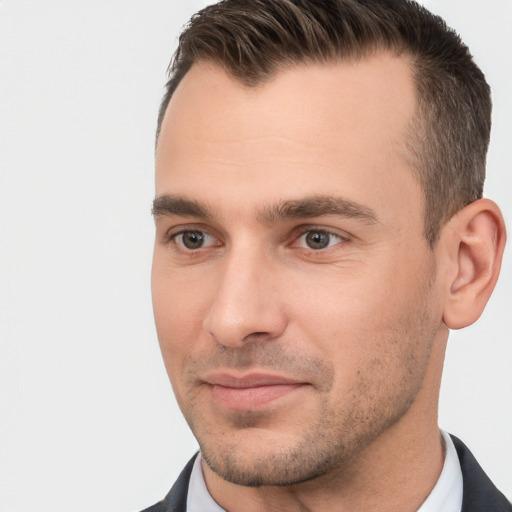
(476, 240)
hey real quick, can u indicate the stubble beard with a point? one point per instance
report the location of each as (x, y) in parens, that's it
(341, 431)
(327, 446)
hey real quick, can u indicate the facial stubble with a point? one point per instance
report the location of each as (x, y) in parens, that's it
(235, 450)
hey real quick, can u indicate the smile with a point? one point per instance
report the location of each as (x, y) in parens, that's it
(253, 391)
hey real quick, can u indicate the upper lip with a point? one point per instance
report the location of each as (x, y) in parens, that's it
(249, 380)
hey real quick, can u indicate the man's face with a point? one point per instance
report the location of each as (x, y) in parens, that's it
(294, 292)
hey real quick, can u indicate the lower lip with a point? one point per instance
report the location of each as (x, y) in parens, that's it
(251, 398)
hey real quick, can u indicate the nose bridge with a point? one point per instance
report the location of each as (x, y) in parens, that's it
(245, 302)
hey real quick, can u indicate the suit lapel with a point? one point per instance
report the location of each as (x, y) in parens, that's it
(479, 494)
(176, 500)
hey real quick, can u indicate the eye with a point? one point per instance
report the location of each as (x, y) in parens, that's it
(318, 239)
(193, 240)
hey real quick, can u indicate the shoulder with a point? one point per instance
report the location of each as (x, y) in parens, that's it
(479, 493)
(176, 500)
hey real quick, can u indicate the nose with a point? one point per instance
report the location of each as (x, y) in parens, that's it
(246, 305)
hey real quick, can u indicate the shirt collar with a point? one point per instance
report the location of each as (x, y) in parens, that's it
(198, 498)
(447, 493)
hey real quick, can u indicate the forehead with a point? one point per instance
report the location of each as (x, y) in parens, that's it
(337, 128)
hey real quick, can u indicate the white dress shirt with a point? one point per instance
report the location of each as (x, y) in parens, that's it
(446, 496)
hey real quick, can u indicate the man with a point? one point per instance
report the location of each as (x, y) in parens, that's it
(320, 227)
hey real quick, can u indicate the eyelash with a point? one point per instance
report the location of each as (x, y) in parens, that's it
(309, 230)
(172, 239)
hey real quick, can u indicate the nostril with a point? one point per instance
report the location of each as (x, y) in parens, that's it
(258, 336)
(253, 336)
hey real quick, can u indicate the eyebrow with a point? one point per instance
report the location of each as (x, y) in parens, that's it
(180, 206)
(318, 206)
(308, 207)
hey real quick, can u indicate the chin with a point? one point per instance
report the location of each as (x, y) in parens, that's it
(271, 469)
(256, 457)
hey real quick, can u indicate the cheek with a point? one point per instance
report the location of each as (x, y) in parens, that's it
(179, 308)
(364, 318)
(178, 328)
(339, 305)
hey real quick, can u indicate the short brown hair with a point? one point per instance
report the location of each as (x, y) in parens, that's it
(255, 39)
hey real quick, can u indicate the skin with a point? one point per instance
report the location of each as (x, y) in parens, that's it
(247, 182)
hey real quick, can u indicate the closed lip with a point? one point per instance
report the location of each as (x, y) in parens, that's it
(250, 380)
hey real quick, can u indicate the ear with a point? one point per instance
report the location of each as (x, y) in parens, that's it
(475, 238)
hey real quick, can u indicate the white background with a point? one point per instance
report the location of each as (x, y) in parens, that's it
(87, 418)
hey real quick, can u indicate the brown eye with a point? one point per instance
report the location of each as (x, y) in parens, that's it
(192, 239)
(318, 239)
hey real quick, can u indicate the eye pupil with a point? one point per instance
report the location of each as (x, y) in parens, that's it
(193, 239)
(317, 239)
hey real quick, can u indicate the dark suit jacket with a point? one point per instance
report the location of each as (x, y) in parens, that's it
(479, 493)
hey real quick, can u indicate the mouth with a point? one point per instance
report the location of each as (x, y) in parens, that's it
(251, 391)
